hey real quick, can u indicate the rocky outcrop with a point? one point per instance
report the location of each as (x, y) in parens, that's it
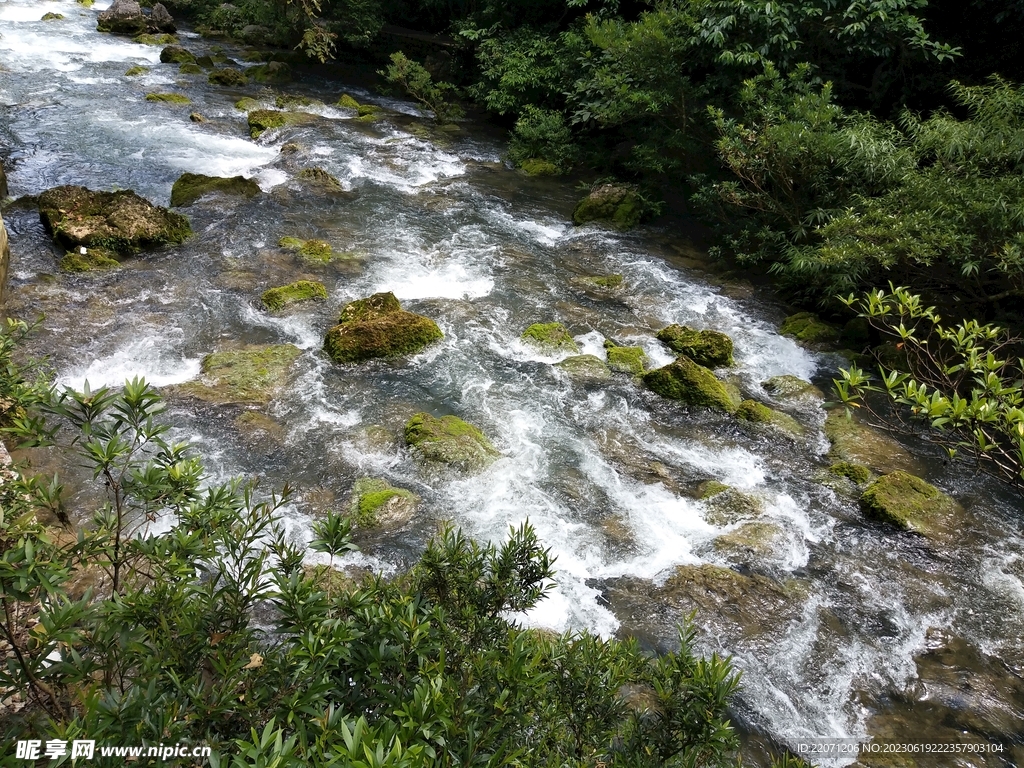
(449, 440)
(120, 222)
(232, 78)
(616, 204)
(691, 384)
(175, 54)
(378, 327)
(712, 349)
(191, 186)
(160, 19)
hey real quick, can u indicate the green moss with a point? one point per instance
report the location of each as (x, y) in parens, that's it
(711, 349)
(320, 178)
(246, 104)
(289, 102)
(806, 327)
(191, 186)
(862, 444)
(755, 539)
(534, 166)
(373, 308)
(616, 204)
(758, 413)
(284, 296)
(690, 383)
(378, 327)
(290, 243)
(347, 102)
(147, 39)
(262, 120)
(136, 71)
(86, 3)
(631, 360)
(93, 260)
(449, 440)
(787, 387)
(168, 98)
(375, 503)
(906, 501)
(858, 473)
(190, 69)
(206, 62)
(254, 55)
(270, 73)
(231, 78)
(710, 488)
(585, 367)
(52, 17)
(316, 251)
(368, 110)
(550, 337)
(250, 375)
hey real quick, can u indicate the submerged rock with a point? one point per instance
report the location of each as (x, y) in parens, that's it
(251, 375)
(631, 360)
(231, 78)
(550, 338)
(861, 444)
(148, 39)
(907, 502)
(711, 349)
(169, 98)
(120, 221)
(175, 54)
(788, 387)
(806, 327)
(602, 286)
(749, 544)
(727, 505)
(191, 186)
(270, 73)
(136, 71)
(450, 440)
(84, 259)
(292, 102)
(615, 204)
(375, 503)
(52, 17)
(277, 299)
(320, 179)
(690, 383)
(262, 120)
(758, 413)
(312, 251)
(585, 367)
(378, 327)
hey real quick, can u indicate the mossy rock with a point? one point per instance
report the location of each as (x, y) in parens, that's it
(550, 338)
(206, 62)
(191, 186)
(86, 3)
(175, 54)
(122, 221)
(712, 349)
(375, 503)
(602, 286)
(277, 299)
(52, 17)
(710, 488)
(727, 505)
(93, 260)
(807, 328)
(148, 39)
(857, 473)
(273, 72)
(232, 78)
(190, 69)
(292, 102)
(168, 98)
(691, 384)
(788, 387)
(262, 120)
(535, 166)
(312, 251)
(585, 367)
(347, 102)
(758, 413)
(615, 204)
(367, 110)
(859, 443)
(259, 428)
(135, 71)
(195, 117)
(378, 327)
(320, 179)
(631, 360)
(450, 440)
(247, 104)
(251, 375)
(751, 543)
(907, 502)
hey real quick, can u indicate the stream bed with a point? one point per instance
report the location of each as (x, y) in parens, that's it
(841, 628)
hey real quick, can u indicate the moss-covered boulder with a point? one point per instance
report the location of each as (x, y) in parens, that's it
(378, 327)
(119, 221)
(757, 413)
(175, 54)
(616, 204)
(347, 102)
(270, 73)
(727, 505)
(301, 291)
(788, 387)
(550, 338)
(190, 69)
(251, 375)
(262, 120)
(247, 104)
(601, 286)
(135, 71)
(857, 473)
(375, 503)
(691, 384)
(535, 166)
(232, 78)
(191, 186)
(449, 440)
(312, 251)
(907, 502)
(168, 98)
(53, 16)
(318, 178)
(84, 259)
(809, 329)
(631, 360)
(712, 349)
(151, 39)
(585, 367)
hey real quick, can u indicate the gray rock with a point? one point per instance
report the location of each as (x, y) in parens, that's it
(124, 17)
(160, 20)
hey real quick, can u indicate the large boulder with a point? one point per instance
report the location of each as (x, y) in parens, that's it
(191, 186)
(690, 383)
(124, 17)
(251, 375)
(175, 54)
(449, 440)
(712, 349)
(632, 360)
(378, 327)
(119, 221)
(907, 502)
(160, 20)
(615, 204)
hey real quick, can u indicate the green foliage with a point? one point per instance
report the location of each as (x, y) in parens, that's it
(542, 134)
(412, 78)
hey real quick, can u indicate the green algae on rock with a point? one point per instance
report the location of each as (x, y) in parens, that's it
(862, 444)
(347, 102)
(450, 440)
(231, 78)
(631, 360)
(271, 72)
(251, 375)
(789, 387)
(189, 187)
(52, 17)
(375, 503)
(727, 505)
(858, 473)
(84, 259)
(378, 327)
(585, 367)
(149, 39)
(320, 179)
(135, 71)
(806, 327)
(169, 98)
(758, 413)
(615, 204)
(690, 383)
(175, 54)
(121, 221)
(550, 338)
(907, 502)
(282, 297)
(712, 349)
(247, 104)
(751, 543)
(262, 120)
(190, 69)
(291, 102)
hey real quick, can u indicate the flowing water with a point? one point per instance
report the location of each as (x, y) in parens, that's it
(843, 629)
